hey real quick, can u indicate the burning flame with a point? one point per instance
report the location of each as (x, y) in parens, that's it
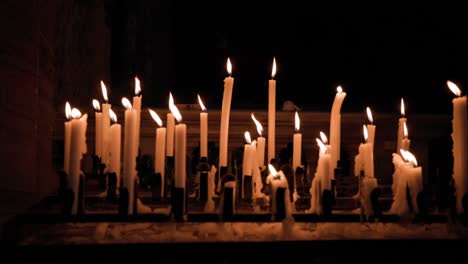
(272, 170)
(259, 126)
(113, 116)
(273, 68)
(202, 106)
(96, 105)
(321, 145)
(297, 122)
(402, 107)
(366, 134)
(126, 103)
(75, 113)
(137, 86)
(409, 157)
(339, 89)
(155, 116)
(68, 111)
(104, 92)
(174, 110)
(247, 137)
(171, 100)
(323, 137)
(405, 130)
(369, 115)
(229, 66)
(454, 88)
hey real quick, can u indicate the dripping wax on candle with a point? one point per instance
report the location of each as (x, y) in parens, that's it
(260, 150)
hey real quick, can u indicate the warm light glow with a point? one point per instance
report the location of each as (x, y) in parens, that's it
(171, 100)
(247, 137)
(254, 144)
(273, 68)
(369, 115)
(137, 86)
(126, 103)
(405, 130)
(404, 154)
(202, 106)
(339, 89)
(272, 170)
(366, 134)
(113, 116)
(297, 122)
(96, 105)
(322, 146)
(75, 113)
(68, 110)
(402, 107)
(174, 110)
(155, 116)
(104, 92)
(323, 137)
(454, 88)
(229, 66)
(409, 157)
(257, 123)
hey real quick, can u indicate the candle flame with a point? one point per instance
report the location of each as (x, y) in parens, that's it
(405, 130)
(273, 68)
(321, 145)
(137, 86)
(174, 110)
(126, 103)
(202, 106)
(75, 113)
(257, 123)
(247, 137)
(104, 92)
(402, 107)
(113, 116)
(323, 137)
(229, 66)
(409, 157)
(68, 110)
(96, 105)
(454, 88)
(369, 115)
(364, 131)
(272, 170)
(171, 100)
(297, 122)
(339, 89)
(155, 116)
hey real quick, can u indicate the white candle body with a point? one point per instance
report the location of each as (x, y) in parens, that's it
(105, 158)
(365, 160)
(66, 154)
(247, 163)
(297, 154)
(115, 150)
(260, 151)
(371, 133)
(98, 134)
(271, 119)
(276, 183)
(400, 134)
(137, 106)
(180, 171)
(224, 128)
(323, 170)
(203, 134)
(130, 154)
(76, 153)
(170, 135)
(160, 154)
(335, 129)
(460, 148)
(411, 177)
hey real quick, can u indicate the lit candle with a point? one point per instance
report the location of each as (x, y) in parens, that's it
(105, 158)
(271, 112)
(247, 161)
(325, 149)
(78, 129)
(115, 137)
(98, 128)
(180, 172)
(460, 148)
(160, 148)
(260, 150)
(203, 130)
(324, 166)
(67, 132)
(297, 147)
(370, 127)
(365, 158)
(335, 127)
(137, 107)
(170, 130)
(405, 142)
(225, 113)
(401, 124)
(276, 180)
(130, 153)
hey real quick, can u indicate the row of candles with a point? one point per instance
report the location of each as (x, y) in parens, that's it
(171, 142)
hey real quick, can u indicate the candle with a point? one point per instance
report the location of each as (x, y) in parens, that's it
(170, 130)
(98, 128)
(76, 153)
(247, 162)
(160, 148)
(297, 147)
(67, 140)
(335, 127)
(365, 159)
(370, 127)
(260, 150)
(271, 112)
(460, 148)
(225, 113)
(328, 150)
(401, 124)
(277, 180)
(115, 137)
(180, 149)
(137, 107)
(130, 153)
(105, 158)
(323, 166)
(405, 142)
(203, 129)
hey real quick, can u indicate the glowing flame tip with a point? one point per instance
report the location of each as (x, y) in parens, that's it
(126, 103)
(365, 133)
(247, 137)
(272, 170)
(229, 66)
(273, 68)
(454, 88)
(96, 105)
(156, 117)
(323, 137)
(402, 107)
(369, 115)
(257, 124)
(297, 122)
(68, 110)
(137, 86)
(104, 92)
(75, 113)
(202, 105)
(339, 89)
(113, 116)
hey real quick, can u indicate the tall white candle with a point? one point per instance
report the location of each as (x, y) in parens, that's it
(160, 148)
(324, 166)
(405, 142)
(105, 126)
(130, 152)
(366, 151)
(401, 123)
(137, 107)
(67, 139)
(271, 112)
(180, 172)
(460, 147)
(260, 149)
(76, 153)
(370, 128)
(98, 128)
(203, 129)
(247, 159)
(225, 113)
(335, 127)
(170, 130)
(297, 143)
(115, 136)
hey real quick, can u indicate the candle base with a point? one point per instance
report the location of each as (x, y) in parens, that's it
(69, 199)
(111, 186)
(157, 192)
(247, 188)
(228, 198)
(280, 206)
(124, 200)
(203, 168)
(178, 203)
